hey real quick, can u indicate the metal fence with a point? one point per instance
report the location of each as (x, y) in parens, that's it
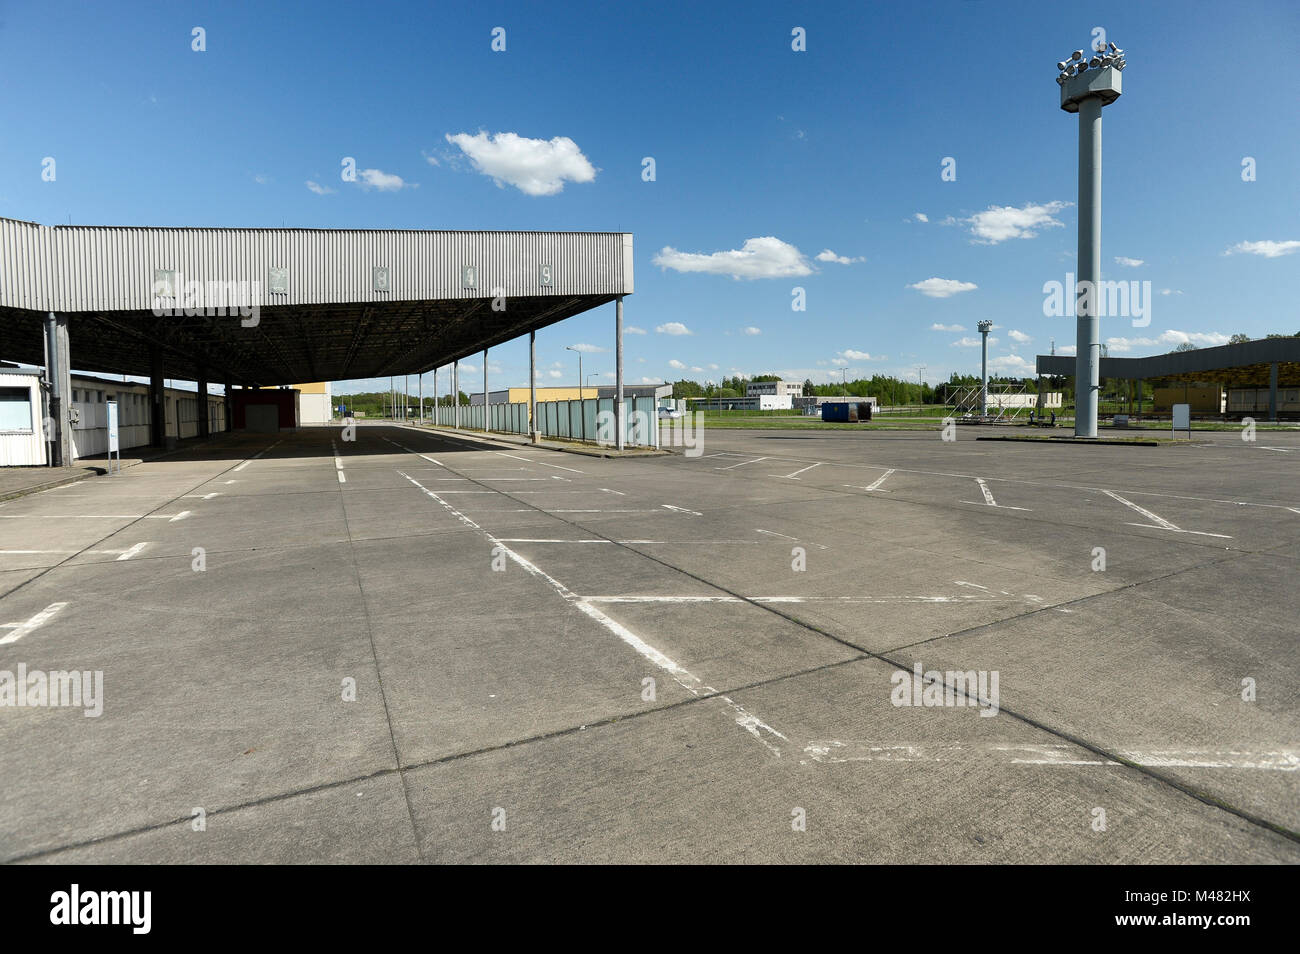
(591, 419)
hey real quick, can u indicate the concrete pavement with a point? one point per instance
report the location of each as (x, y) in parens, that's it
(414, 646)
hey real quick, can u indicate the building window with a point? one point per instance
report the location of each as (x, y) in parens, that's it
(15, 409)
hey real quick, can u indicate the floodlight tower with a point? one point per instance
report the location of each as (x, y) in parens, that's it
(1087, 86)
(984, 328)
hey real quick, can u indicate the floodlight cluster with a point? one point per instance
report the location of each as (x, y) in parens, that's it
(1076, 64)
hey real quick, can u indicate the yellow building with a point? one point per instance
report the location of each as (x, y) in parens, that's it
(316, 404)
(520, 395)
(1203, 398)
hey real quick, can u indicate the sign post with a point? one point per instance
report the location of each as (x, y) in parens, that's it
(112, 437)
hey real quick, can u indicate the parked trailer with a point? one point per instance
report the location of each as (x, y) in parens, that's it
(851, 412)
(1253, 402)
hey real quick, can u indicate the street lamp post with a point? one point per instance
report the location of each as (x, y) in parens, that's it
(1086, 86)
(579, 354)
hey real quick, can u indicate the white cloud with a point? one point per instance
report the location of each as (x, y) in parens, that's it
(921, 217)
(1012, 363)
(318, 188)
(1128, 262)
(1266, 248)
(431, 160)
(645, 380)
(588, 348)
(555, 374)
(533, 166)
(751, 330)
(713, 367)
(633, 330)
(378, 179)
(826, 255)
(673, 328)
(850, 355)
(696, 368)
(969, 342)
(674, 363)
(953, 328)
(765, 257)
(942, 287)
(1169, 339)
(261, 178)
(1169, 291)
(998, 223)
(1019, 337)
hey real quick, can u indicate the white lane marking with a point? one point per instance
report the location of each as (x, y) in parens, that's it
(19, 630)
(808, 599)
(180, 516)
(795, 475)
(553, 477)
(988, 498)
(232, 481)
(215, 493)
(682, 676)
(608, 491)
(529, 460)
(684, 510)
(1280, 450)
(741, 464)
(1294, 509)
(875, 484)
(1164, 524)
(557, 540)
(71, 516)
(127, 554)
(256, 456)
(343, 478)
(1158, 522)
(1195, 533)
(819, 546)
(601, 511)
(841, 751)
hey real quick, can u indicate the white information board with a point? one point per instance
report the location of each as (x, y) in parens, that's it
(112, 436)
(112, 425)
(1183, 417)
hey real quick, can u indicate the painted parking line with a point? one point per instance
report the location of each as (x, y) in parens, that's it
(694, 513)
(529, 460)
(562, 540)
(988, 498)
(608, 491)
(256, 456)
(180, 516)
(742, 463)
(784, 537)
(875, 484)
(127, 554)
(1158, 522)
(18, 630)
(795, 475)
(682, 676)
(841, 750)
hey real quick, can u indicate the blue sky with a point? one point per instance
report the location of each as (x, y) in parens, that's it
(836, 148)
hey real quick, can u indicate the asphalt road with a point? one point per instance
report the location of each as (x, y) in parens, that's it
(686, 658)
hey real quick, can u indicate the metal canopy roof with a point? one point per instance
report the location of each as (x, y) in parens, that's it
(1236, 365)
(319, 305)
